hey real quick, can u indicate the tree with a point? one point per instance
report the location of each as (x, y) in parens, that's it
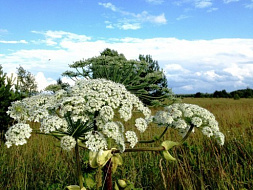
(55, 87)
(26, 82)
(7, 95)
(142, 77)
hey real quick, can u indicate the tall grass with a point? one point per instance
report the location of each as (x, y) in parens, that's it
(201, 162)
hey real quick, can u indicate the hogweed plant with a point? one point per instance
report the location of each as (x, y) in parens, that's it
(92, 113)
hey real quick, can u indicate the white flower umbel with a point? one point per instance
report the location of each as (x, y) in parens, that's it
(53, 123)
(92, 102)
(17, 134)
(219, 137)
(182, 116)
(106, 113)
(196, 121)
(141, 124)
(18, 111)
(95, 141)
(68, 142)
(207, 131)
(132, 138)
(163, 118)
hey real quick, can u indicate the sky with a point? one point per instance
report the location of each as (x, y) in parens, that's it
(201, 45)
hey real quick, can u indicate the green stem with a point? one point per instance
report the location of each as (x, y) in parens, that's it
(155, 149)
(154, 140)
(187, 134)
(79, 173)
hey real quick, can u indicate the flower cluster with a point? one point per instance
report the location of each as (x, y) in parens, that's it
(141, 124)
(17, 134)
(131, 138)
(95, 141)
(68, 142)
(182, 116)
(94, 102)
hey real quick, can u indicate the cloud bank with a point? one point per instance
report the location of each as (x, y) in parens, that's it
(190, 65)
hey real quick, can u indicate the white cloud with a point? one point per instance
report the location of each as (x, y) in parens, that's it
(249, 5)
(240, 71)
(52, 37)
(203, 3)
(108, 6)
(196, 65)
(157, 2)
(132, 21)
(13, 42)
(3, 31)
(174, 67)
(160, 19)
(212, 9)
(230, 1)
(182, 17)
(128, 26)
(42, 81)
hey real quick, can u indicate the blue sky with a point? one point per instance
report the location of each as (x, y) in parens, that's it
(202, 45)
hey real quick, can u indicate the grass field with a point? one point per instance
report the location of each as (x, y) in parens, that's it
(202, 163)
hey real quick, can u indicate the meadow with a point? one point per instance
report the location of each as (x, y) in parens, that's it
(201, 162)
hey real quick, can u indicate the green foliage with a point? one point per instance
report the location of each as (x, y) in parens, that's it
(243, 93)
(59, 86)
(236, 97)
(142, 77)
(7, 95)
(26, 82)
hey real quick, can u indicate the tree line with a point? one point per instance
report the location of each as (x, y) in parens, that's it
(237, 94)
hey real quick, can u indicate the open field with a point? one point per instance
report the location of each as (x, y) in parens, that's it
(202, 163)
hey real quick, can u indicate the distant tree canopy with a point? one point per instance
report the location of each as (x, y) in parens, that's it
(237, 94)
(58, 86)
(26, 82)
(143, 77)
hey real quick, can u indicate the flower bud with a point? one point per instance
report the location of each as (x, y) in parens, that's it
(122, 183)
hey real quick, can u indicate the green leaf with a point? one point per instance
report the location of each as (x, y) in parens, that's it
(168, 156)
(169, 144)
(90, 182)
(116, 187)
(97, 159)
(92, 159)
(116, 160)
(103, 158)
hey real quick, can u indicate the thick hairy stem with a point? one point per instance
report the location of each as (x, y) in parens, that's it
(108, 175)
(78, 164)
(94, 121)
